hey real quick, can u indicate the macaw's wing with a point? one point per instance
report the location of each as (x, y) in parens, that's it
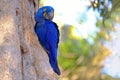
(51, 42)
(51, 45)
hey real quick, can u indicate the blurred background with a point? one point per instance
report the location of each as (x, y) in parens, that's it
(89, 41)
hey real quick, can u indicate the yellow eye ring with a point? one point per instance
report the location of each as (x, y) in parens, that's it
(44, 14)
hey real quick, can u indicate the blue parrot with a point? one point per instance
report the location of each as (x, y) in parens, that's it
(48, 34)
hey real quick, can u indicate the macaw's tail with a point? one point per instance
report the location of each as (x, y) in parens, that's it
(57, 70)
(54, 65)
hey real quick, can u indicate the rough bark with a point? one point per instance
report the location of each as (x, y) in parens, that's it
(21, 56)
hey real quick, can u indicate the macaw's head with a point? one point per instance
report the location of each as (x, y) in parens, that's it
(45, 12)
(48, 12)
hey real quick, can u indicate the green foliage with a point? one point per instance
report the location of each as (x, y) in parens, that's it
(103, 6)
(79, 59)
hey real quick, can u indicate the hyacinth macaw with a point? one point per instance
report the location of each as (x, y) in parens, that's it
(48, 34)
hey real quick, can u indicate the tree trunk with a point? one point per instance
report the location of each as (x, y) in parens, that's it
(21, 56)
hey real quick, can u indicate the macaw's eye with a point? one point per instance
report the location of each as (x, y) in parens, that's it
(44, 9)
